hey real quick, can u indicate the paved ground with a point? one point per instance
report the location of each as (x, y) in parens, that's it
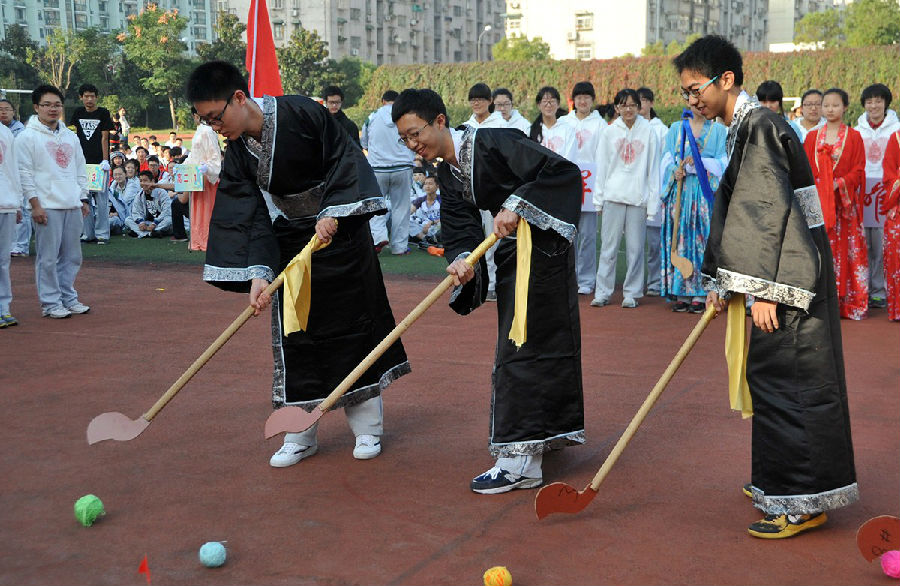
(670, 512)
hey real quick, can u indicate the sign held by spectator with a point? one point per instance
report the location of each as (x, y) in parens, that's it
(188, 178)
(96, 178)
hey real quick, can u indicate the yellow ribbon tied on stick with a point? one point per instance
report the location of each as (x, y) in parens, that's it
(518, 331)
(736, 356)
(297, 288)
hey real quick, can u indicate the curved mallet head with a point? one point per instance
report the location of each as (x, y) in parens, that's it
(115, 426)
(559, 497)
(291, 420)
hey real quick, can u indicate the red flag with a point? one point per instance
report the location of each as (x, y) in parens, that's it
(262, 63)
(145, 569)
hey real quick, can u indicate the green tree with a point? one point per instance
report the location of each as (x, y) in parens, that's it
(873, 22)
(16, 72)
(153, 43)
(305, 67)
(521, 49)
(816, 27)
(356, 74)
(229, 44)
(56, 61)
(656, 49)
(99, 59)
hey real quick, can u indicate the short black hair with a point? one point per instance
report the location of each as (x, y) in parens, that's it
(152, 158)
(711, 55)
(88, 88)
(547, 89)
(424, 103)
(808, 93)
(427, 177)
(333, 90)
(584, 88)
(164, 148)
(173, 132)
(501, 91)
(389, 96)
(44, 89)
(148, 174)
(133, 162)
(877, 90)
(645, 93)
(175, 151)
(836, 90)
(214, 80)
(480, 90)
(623, 95)
(770, 91)
(141, 148)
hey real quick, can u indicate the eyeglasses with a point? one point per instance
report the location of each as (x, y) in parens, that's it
(478, 100)
(628, 106)
(696, 92)
(51, 105)
(550, 102)
(217, 120)
(413, 136)
(502, 104)
(811, 104)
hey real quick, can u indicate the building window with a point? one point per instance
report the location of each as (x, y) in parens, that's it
(104, 23)
(401, 20)
(199, 17)
(80, 6)
(457, 11)
(584, 52)
(51, 3)
(199, 33)
(356, 42)
(355, 14)
(278, 31)
(514, 24)
(20, 14)
(584, 22)
(81, 21)
(277, 4)
(103, 6)
(198, 3)
(51, 17)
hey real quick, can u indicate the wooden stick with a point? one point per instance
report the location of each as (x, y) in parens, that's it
(684, 266)
(653, 396)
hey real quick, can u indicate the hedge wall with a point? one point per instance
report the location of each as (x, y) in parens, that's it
(850, 69)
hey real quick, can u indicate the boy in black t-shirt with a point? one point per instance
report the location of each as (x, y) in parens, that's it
(93, 125)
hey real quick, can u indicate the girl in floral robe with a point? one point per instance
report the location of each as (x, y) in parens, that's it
(890, 209)
(838, 160)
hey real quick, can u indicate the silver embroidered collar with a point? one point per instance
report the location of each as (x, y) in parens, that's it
(463, 144)
(262, 148)
(743, 106)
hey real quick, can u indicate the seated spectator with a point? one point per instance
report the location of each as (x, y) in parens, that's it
(426, 187)
(164, 155)
(122, 193)
(117, 159)
(425, 223)
(177, 155)
(180, 144)
(172, 136)
(418, 180)
(132, 168)
(151, 212)
(142, 158)
(154, 148)
(145, 142)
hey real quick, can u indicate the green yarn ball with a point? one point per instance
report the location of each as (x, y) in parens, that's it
(87, 509)
(212, 554)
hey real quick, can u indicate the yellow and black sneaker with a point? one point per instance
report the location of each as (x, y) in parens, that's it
(747, 490)
(781, 526)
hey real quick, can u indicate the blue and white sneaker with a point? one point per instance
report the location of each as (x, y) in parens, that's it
(6, 320)
(496, 481)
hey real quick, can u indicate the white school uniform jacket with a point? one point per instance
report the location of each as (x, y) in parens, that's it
(51, 166)
(560, 139)
(516, 120)
(587, 134)
(10, 188)
(875, 141)
(628, 166)
(494, 120)
(802, 131)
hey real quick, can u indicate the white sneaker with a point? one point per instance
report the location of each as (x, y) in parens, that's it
(367, 447)
(57, 312)
(78, 308)
(629, 303)
(585, 290)
(291, 453)
(599, 301)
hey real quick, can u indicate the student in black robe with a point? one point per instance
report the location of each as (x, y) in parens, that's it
(290, 172)
(767, 239)
(537, 401)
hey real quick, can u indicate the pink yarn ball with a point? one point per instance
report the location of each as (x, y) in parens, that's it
(890, 563)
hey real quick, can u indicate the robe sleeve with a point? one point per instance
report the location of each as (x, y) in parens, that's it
(850, 173)
(242, 245)
(891, 167)
(548, 187)
(760, 241)
(461, 233)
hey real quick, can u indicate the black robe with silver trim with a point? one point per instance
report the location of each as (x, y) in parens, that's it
(767, 239)
(271, 193)
(537, 400)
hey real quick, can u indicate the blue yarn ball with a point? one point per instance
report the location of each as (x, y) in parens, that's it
(212, 554)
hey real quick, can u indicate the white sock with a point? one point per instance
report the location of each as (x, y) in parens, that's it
(528, 466)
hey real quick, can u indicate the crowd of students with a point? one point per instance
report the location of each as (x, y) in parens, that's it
(654, 186)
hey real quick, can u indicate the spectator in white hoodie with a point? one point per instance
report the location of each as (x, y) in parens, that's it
(627, 192)
(549, 127)
(876, 125)
(10, 215)
(589, 126)
(393, 165)
(811, 110)
(54, 183)
(503, 103)
(483, 116)
(654, 224)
